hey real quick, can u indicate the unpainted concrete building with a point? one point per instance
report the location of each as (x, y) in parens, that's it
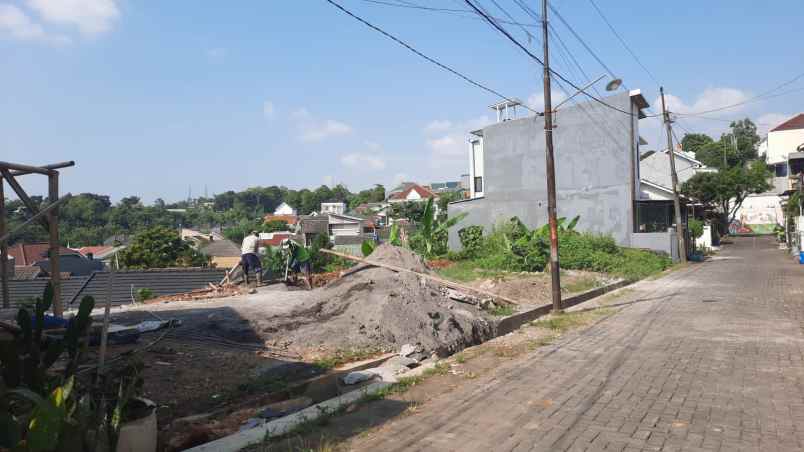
(597, 172)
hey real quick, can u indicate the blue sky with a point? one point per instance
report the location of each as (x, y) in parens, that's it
(150, 98)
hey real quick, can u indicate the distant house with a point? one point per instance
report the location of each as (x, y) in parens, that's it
(102, 253)
(291, 220)
(310, 226)
(337, 208)
(222, 253)
(30, 253)
(274, 239)
(410, 192)
(73, 265)
(285, 209)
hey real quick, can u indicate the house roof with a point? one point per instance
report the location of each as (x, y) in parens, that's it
(95, 251)
(163, 281)
(289, 219)
(220, 248)
(276, 239)
(796, 122)
(28, 253)
(22, 272)
(423, 192)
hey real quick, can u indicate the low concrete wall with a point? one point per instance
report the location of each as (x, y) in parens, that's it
(664, 242)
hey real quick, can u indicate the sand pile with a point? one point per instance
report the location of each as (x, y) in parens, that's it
(376, 308)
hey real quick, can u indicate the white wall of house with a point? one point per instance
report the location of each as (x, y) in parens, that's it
(762, 209)
(782, 143)
(477, 180)
(285, 209)
(340, 225)
(413, 195)
(335, 208)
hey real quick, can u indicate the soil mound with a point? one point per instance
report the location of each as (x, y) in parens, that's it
(380, 309)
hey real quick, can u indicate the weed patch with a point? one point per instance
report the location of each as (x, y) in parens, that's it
(342, 357)
(582, 284)
(502, 311)
(559, 323)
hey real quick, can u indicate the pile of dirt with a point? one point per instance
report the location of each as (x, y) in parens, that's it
(379, 309)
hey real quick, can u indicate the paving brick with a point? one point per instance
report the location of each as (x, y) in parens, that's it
(667, 372)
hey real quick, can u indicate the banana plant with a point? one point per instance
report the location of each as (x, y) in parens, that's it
(430, 228)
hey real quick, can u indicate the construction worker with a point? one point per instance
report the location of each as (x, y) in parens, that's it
(249, 258)
(298, 260)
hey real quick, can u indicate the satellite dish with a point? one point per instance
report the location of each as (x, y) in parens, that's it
(614, 84)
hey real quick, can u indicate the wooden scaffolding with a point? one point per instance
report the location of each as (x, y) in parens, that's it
(48, 216)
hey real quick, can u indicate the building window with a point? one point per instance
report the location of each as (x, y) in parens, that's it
(479, 184)
(780, 169)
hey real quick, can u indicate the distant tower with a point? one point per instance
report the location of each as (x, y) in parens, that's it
(189, 193)
(206, 193)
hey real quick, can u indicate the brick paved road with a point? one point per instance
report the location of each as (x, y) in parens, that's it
(709, 358)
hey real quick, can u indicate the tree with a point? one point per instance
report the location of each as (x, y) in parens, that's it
(160, 247)
(727, 189)
(712, 154)
(692, 142)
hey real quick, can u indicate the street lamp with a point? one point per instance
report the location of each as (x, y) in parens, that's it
(612, 85)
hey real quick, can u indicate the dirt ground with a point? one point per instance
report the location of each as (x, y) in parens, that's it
(533, 289)
(367, 418)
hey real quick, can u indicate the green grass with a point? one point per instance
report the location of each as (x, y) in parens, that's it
(560, 323)
(582, 284)
(342, 357)
(264, 384)
(502, 310)
(469, 270)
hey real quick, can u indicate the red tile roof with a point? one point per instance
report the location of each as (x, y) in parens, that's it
(422, 191)
(796, 122)
(27, 254)
(94, 250)
(276, 239)
(289, 219)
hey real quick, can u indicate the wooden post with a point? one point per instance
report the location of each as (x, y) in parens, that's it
(53, 226)
(682, 243)
(3, 247)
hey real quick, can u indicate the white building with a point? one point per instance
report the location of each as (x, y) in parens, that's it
(333, 208)
(285, 209)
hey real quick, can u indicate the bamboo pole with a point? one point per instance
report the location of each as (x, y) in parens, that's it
(443, 282)
(3, 248)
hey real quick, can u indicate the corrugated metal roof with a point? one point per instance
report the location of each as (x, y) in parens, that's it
(160, 281)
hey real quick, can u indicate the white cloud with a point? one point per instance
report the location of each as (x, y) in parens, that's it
(359, 160)
(449, 143)
(319, 131)
(313, 130)
(329, 181)
(91, 17)
(438, 125)
(268, 110)
(768, 121)
(15, 22)
(536, 100)
(710, 99)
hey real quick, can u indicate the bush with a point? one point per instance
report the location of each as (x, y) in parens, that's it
(144, 294)
(471, 240)
(513, 247)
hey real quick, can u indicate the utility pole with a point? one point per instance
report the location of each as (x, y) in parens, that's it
(682, 246)
(550, 169)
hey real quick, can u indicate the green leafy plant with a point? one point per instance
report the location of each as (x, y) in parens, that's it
(394, 237)
(471, 240)
(368, 247)
(144, 294)
(431, 237)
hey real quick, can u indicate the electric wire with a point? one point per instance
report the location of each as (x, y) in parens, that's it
(457, 12)
(765, 95)
(422, 55)
(622, 41)
(561, 77)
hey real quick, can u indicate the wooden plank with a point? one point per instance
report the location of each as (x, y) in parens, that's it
(53, 223)
(25, 168)
(52, 166)
(443, 282)
(21, 194)
(3, 248)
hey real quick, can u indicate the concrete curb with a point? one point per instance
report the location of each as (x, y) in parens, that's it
(282, 426)
(512, 323)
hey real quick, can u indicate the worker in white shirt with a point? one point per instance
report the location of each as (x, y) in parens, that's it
(249, 258)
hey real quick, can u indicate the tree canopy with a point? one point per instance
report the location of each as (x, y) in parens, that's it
(740, 175)
(160, 247)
